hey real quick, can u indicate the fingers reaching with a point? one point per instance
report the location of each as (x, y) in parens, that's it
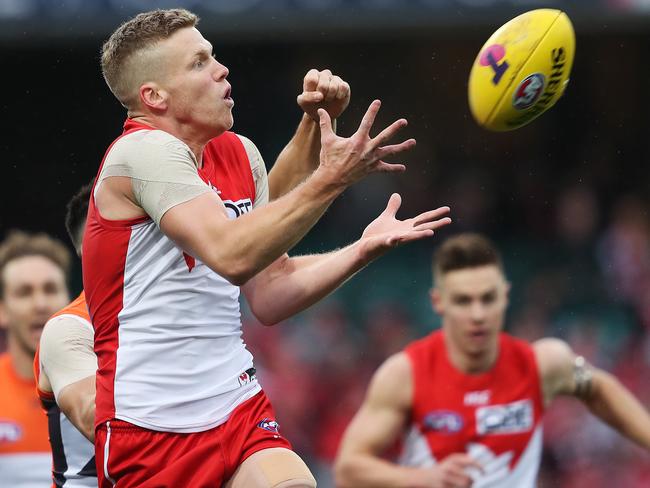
(430, 215)
(394, 203)
(369, 119)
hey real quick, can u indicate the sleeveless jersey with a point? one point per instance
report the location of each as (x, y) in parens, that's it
(494, 416)
(167, 328)
(73, 456)
(24, 451)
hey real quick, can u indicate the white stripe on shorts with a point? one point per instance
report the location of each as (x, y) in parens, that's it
(106, 449)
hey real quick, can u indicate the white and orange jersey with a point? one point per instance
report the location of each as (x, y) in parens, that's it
(25, 459)
(495, 416)
(167, 328)
(73, 456)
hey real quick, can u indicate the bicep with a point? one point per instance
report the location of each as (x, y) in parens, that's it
(77, 397)
(77, 402)
(193, 224)
(384, 413)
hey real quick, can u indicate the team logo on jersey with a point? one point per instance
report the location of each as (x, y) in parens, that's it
(10, 431)
(473, 398)
(270, 425)
(238, 208)
(246, 377)
(510, 418)
(234, 208)
(528, 91)
(443, 421)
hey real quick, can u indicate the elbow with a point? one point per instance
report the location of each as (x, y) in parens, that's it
(344, 474)
(236, 272)
(265, 317)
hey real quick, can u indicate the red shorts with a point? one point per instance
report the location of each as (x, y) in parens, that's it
(135, 457)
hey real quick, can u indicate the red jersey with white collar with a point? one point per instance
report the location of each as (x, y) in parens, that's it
(494, 416)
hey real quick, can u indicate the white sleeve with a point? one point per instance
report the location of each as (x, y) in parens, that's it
(66, 351)
(163, 170)
(258, 169)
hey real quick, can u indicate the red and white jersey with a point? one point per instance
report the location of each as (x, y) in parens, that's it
(494, 416)
(167, 328)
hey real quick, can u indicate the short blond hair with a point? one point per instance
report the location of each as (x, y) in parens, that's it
(19, 244)
(133, 37)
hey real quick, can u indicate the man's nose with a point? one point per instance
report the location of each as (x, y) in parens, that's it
(478, 312)
(221, 72)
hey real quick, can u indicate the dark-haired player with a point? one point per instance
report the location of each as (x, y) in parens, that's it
(467, 401)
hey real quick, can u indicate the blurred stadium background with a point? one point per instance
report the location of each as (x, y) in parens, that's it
(566, 198)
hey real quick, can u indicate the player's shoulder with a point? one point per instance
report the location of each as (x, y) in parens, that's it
(552, 347)
(145, 142)
(553, 356)
(62, 329)
(394, 372)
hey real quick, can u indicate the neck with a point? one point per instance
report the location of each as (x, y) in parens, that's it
(21, 359)
(194, 140)
(477, 363)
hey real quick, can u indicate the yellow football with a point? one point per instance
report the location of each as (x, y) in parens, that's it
(522, 70)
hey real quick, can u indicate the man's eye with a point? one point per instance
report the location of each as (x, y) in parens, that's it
(198, 64)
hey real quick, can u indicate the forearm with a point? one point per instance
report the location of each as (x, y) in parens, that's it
(293, 284)
(367, 471)
(614, 404)
(239, 249)
(298, 159)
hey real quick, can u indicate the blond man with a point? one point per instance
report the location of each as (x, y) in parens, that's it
(178, 223)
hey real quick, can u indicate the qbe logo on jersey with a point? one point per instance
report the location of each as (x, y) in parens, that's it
(238, 208)
(510, 418)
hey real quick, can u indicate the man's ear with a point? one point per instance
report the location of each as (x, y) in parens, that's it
(153, 97)
(436, 300)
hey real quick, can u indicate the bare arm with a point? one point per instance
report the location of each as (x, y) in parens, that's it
(77, 402)
(67, 369)
(376, 426)
(600, 391)
(232, 247)
(290, 285)
(378, 423)
(297, 161)
(299, 158)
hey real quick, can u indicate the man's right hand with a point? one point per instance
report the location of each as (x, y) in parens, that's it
(344, 161)
(451, 472)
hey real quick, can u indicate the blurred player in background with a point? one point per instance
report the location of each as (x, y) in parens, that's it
(65, 366)
(177, 222)
(466, 402)
(33, 285)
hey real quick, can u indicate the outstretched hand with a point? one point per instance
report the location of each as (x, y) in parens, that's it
(348, 160)
(386, 231)
(322, 89)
